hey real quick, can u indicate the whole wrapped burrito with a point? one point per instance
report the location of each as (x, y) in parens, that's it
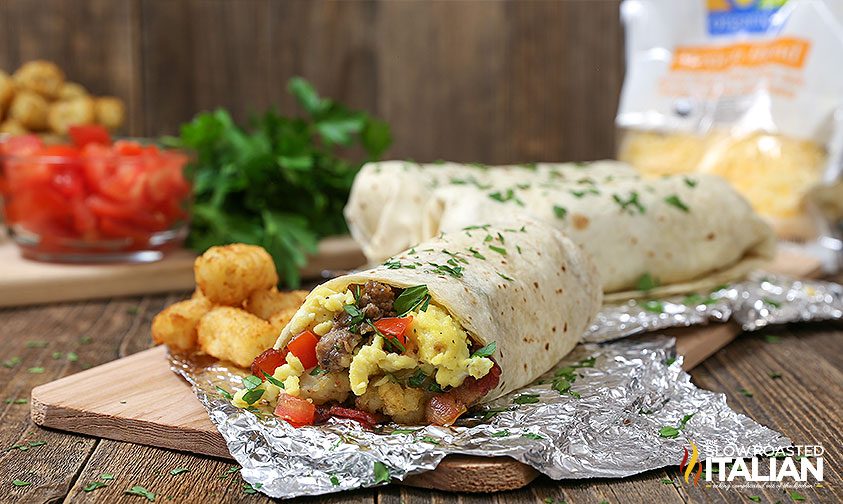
(667, 235)
(455, 321)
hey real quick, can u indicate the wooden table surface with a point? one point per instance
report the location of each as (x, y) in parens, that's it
(58, 340)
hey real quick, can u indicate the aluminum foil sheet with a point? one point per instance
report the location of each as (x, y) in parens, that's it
(762, 300)
(597, 414)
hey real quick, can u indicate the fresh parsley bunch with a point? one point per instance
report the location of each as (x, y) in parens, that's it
(281, 184)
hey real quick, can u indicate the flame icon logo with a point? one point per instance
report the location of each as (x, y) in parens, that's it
(687, 466)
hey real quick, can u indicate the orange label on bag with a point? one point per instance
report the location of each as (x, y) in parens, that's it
(786, 51)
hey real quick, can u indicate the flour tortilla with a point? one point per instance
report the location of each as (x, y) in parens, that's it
(688, 233)
(535, 303)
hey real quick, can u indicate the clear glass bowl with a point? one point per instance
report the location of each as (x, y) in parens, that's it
(123, 203)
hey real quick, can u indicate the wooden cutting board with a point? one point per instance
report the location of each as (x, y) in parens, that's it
(24, 282)
(162, 411)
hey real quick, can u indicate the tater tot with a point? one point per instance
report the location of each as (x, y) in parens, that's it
(66, 113)
(12, 127)
(70, 90)
(228, 274)
(42, 77)
(30, 110)
(7, 90)
(235, 335)
(176, 325)
(282, 318)
(265, 303)
(110, 112)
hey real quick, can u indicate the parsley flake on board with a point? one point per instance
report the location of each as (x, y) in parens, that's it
(106, 476)
(11, 362)
(412, 298)
(744, 392)
(179, 470)
(381, 473)
(674, 200)
(90, 487)
(228, 472)
(36, 344)
(775, 375)
(141, 491)
(251, 489)
(21, 483)
(36, 370)
(772, 338)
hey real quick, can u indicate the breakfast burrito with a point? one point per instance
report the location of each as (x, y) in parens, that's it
(450, 323)
(646, 236)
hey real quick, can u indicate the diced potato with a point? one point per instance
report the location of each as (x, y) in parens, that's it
(325, 387)
(176, 325)
(267, 302)
(405, 405)
(39, 76)
(66, 113)
(30, 110)
(234, 334)
(110, 112)
(228, 274)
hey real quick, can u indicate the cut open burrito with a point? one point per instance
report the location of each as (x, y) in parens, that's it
(450, 323)
(666, 235)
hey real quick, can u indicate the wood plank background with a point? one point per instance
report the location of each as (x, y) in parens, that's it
(493, 81)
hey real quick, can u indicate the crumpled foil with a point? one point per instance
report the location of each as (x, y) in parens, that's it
(762, 300)
(605, 422)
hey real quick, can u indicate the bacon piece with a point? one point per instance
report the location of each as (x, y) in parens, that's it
(368, 420)
(445, 408)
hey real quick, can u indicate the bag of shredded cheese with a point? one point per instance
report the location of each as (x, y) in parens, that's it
(751, 90)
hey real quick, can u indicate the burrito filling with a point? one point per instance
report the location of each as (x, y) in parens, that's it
(371, 353)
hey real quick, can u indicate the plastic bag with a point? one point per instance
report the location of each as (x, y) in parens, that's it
(751, 90)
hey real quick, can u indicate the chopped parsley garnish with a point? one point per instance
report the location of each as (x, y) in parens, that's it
(445, 269)
(90, 487)
(503, 197)
(685, 420)
(669, 432)
(21, 483)
(356, 315)
(476, 253)
(396, 264)
(561, 385)
(505, 277)
(796, 496)
(56, 355)
(501, 433)
(72, 357)
(678, 203)
(417, 380)
(251, 382)
(412, 298)
(481, 226)
(252, 396)
(403, 431)
(228, 472)
(381, 473)
(580, 194)
(526, 399)
(251, 489)
(772, 302)
(16, 401)
(278, 383)
(631, 204)
(654, 306)
(85, 340)
(141, 491)
(318, 371)
(666, 481)
(690, 182)
(486, 351)
(518, 248)
(775, 375)
(334, 480)
(754, 498)
(36, 344)
(428, 439)
(772, 338)
(224, 393)
(11, 362)
(179, 470)
(646, 282)
(36, 370)
(744, 392)
(669, 361)
(697, 299)
(499, 250)
(491, 413)
(531, 435)
(106, 476)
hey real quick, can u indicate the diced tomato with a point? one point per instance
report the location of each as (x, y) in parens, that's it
(127, 148)
(303, 346)
(117, 228)
(60, 151)
(268, 362)
(104, 207)
(294, 410)
(22, 145)
(394, 327)
(84, 134)
(84, 220)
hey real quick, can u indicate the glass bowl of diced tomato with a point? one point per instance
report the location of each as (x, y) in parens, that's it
(94, 199)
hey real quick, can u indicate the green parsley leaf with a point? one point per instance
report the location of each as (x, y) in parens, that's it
(486, 351)
(278, 383)
(476, 253)
(501, 433)
(561, 385)
(499, 250)
(251, 489)
(179, 470)
(696, 299)
(90, 487)
(72, 357)
(755, 498)
(772, 302)
(629, 205)
(452, 270)
(669, 361)
(251, 382)
(36, 370)
(20, 483)
(86, 340)
(530, 435)
(526, 399)
(334, 480)
(654, 306)
(224, 393)
(141, 491)
(690, 182)
(410, 299)
(796, 496)
(381, 473)
(669, 432)
(403, 431)
(685, 420)
(252, 396)
(228, 472)
(772, 338)
(15, 401)
(505, 277)
(36, 344)
(56, 355)
(675, 201)
(775, 375)
(106, 476)
(33, 444)
(428, 439)
(744, 392)
(560, 212)
(646, 282)
(11, 362)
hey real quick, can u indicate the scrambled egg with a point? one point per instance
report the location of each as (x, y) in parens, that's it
(288, 374)
(318, 310)
(441, 343)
